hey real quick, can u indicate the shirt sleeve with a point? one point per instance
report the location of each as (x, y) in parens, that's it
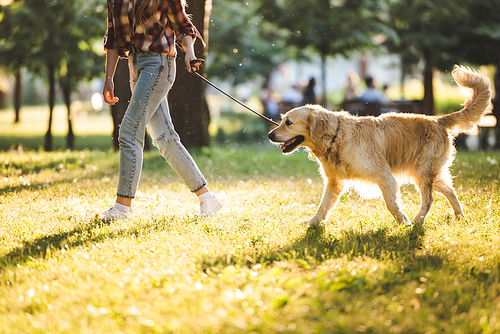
(181, 23)
(109, 36)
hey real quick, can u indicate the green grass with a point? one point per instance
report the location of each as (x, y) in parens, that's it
(254, 268)
(93, 130)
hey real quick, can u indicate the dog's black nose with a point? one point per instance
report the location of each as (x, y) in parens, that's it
(270, 135)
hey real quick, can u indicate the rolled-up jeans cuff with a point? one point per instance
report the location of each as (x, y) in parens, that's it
(200, 187)
(125, 196)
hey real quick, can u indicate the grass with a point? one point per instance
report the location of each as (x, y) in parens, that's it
(254, 268)
(93, 130)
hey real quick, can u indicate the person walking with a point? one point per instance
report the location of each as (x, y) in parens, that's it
(309, 95)
(146, 33)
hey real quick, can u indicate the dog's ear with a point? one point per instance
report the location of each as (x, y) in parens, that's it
(317, 126)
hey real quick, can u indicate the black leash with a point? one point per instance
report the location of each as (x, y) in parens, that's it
(200, 62)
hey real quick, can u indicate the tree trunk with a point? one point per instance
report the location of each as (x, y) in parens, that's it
(17, 95)
(188, 106)
(428, 89)
(323, 78)
(122, 90)
(70, 137)
(496, 105)
(402, 86)
(403, 76)
(52, 98)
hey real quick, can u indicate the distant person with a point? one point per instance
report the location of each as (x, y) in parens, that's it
(385, 88)
(373, 95)
(351, 87)
(145, 32)
(269, 103)
(309, 96)
(292, 96)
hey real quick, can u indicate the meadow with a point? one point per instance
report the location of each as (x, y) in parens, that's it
(253, 268)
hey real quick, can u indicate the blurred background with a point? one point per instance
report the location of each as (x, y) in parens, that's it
(364, 56)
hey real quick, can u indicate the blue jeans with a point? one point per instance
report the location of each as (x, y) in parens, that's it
(151, 77)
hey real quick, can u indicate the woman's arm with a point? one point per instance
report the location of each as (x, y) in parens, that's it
(108, 90)
(186, 32)
(187, 44)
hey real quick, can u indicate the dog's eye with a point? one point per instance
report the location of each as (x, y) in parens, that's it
(288, 122)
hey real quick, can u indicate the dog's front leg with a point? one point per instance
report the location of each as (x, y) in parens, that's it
(331, 194)
(392, 195)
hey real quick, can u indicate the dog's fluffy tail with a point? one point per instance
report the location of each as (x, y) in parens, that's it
(475, 106)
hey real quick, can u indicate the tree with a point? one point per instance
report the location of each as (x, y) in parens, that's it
(329, 28)
(188, 106)
(59, 46)
(243, 45)
(80, 61)
(46, 52)
(479, 34)
(442, 33)
(14, 47)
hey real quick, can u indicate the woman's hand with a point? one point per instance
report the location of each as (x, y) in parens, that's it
(108, 92)
(187, 45)
(192, 63)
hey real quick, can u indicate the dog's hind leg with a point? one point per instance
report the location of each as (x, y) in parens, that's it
(425, 184)
(390, 190)
(331, 194)
(443, 184)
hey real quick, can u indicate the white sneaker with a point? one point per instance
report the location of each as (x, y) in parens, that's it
(113, 214)
(209, 206)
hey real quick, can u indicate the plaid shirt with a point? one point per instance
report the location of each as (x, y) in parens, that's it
(123, 33)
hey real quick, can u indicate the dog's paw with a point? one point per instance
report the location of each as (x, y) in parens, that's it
(417, 221)
(311, 222)
(403, 220)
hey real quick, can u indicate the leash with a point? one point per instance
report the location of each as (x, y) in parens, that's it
(201, 62)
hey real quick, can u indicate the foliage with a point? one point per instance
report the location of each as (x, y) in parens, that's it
(15, 43)
(252, 38)
(480, 30)
(439, 34)
(329, 28)
(242, 44)
(63, 29)
(82, 60)
(444, 32)
(59, 46)
(254, 268)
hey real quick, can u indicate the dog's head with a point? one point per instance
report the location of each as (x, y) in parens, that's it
(304, 126)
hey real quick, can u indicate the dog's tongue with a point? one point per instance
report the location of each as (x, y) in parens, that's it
(285, 144)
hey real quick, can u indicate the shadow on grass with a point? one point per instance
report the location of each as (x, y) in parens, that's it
(83, 234)
(316, 246)
(32, 186)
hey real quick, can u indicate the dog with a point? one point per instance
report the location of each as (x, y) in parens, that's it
(382, 149)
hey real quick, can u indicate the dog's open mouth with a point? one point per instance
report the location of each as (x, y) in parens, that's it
(291, 144)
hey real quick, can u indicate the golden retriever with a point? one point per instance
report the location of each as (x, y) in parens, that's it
(380, 149)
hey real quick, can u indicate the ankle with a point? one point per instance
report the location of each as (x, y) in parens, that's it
(206, 195)
(124, 201)
(122, 208)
